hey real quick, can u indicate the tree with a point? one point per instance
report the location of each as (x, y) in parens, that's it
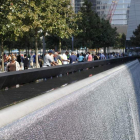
(52, 41)
(30, 17)
(135, 39)
(96, 32)
(63, 19)
(87, 24)
(120, 41)
(47, 16)
(6, 27)
(108, 35)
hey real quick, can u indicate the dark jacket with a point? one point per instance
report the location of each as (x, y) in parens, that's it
(26, 62)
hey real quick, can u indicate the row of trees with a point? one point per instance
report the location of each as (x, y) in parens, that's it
(23, 22)
(29, 18)
(89, 31)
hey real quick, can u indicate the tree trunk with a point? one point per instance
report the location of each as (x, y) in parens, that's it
(36, 50)
(44, 45)
(105, 50)
(60, 44)
(19, 51)
(2, 52)
(56, 48)
(28, 50)
(9, 49)
(72, 43)
(123, 50)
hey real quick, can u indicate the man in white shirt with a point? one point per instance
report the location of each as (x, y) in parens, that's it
(65, 59)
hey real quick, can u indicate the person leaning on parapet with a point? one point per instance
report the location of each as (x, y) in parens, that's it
(40, 60)
(81, 58)
(103, 56)
(65, 58)
(48, 60)
(89, 58)
(73, 58)
(57, 59)
(13, 65)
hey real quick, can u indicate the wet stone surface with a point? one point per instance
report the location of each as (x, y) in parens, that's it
(24, 92)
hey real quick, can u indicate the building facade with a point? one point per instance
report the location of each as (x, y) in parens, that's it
(79, 3)
(133, 22)
(126, 16)
(73, 4)
(121, 10)
(120, 16)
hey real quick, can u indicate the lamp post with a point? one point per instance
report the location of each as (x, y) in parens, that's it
(72, 43)
(44, 45)
(43, 41)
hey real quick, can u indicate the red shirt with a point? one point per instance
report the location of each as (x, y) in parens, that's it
(89, 57)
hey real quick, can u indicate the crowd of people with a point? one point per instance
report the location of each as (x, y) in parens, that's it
(14, 62)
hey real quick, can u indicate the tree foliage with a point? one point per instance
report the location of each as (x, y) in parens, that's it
(95, 32)
(6, 27)
(135, 39)
(63, 20)
(23, 22)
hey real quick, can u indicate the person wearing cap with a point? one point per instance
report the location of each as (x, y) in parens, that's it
(48, 61)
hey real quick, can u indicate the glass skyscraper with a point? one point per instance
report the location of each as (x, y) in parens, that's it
(79, 3)
(126, 16)
(120, 16)
(102, 7)
(133, 22)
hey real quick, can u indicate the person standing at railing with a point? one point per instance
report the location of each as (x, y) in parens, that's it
(89, 58)
(48, 60)
(58, 59)
(9, 58)
(5, 61)
(65, 58)
(96, 57)
(102, 56)
(19, 59)
(26, 62)
(73, 58)
(81, 58)
(13, 65)
(31, 60)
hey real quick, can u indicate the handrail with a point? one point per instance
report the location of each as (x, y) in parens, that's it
(9, 79)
